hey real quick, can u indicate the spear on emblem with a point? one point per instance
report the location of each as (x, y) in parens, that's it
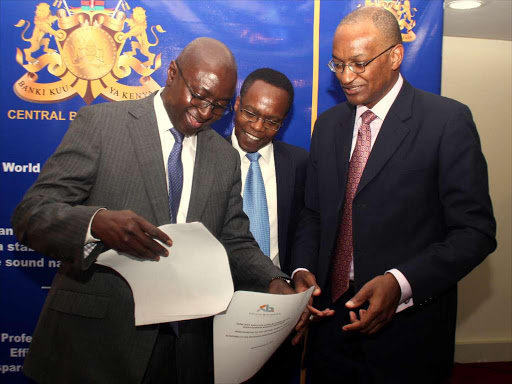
(58, 4)
(122, 3)
(67, 8)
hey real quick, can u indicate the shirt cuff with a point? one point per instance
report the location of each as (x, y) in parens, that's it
(297, 270)
(405, 288)
(90, 240)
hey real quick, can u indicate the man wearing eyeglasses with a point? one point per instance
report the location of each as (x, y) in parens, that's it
(123, 169)
(397, 212)
(265, 99)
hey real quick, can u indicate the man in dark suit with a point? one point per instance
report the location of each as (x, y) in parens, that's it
(121, 170)
(397, 212)
(265, 98)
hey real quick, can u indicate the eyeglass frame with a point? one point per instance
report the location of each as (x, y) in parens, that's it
(331, 63)
(204, 103)
(258, 117)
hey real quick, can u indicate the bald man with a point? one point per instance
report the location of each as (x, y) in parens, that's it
(397, 212)
(123, 169)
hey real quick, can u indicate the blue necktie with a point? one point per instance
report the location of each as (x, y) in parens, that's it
(255, 204)
(175, 172)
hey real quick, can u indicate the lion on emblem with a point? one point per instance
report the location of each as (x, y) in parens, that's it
(138, 25)
(43, 21)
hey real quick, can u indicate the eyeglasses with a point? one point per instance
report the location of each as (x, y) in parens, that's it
(339, 67)
(267, 124)
(201, 102)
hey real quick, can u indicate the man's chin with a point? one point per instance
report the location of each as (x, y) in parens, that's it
(190, 131)
(249, 147)
(352, 100)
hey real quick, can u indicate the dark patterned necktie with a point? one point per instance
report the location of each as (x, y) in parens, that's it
(175, 172)
(344, 248)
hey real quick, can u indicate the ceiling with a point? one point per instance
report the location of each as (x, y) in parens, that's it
(491, 21)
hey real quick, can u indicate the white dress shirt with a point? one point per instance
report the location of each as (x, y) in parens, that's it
(188, 157)
(268, 171)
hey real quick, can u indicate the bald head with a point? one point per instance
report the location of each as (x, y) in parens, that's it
(383, 20)
(205, 50)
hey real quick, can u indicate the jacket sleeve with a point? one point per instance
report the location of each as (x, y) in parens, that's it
(468, 215)
(307, 236)
(51, 218)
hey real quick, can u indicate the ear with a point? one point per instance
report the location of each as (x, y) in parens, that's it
(397, 55)
(172, 72)
(237, 103)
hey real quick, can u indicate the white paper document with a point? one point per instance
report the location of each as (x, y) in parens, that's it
(250, 331)
(194, 281)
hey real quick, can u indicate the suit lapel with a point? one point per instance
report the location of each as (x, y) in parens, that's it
(204, 171)
(285, 179)
(148, 150)
(391, 135)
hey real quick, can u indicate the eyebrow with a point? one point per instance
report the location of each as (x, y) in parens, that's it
(355, 57)
(205, 91)
(252, 109)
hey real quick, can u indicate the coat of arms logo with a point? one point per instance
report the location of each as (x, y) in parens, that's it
(403, 13)
(89, 59)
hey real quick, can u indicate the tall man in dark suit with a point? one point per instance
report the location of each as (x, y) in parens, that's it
(397, 212)
(265, 98)
(121, 170)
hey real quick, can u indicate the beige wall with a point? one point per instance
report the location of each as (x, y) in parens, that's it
(478, 72)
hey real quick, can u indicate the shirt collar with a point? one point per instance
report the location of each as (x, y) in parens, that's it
(382, 108)
(164, 123)
(265, 152)
(162, 118)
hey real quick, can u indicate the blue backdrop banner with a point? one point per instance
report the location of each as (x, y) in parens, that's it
(61, 55)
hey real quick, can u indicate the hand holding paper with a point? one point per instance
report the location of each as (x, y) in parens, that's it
(250, 331)
(193, 281)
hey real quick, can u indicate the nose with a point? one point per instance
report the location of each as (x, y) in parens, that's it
(258, 125)
(206, 112)
(347, 76)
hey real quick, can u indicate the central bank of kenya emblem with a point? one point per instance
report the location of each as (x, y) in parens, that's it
(403, 12)
(89, 60)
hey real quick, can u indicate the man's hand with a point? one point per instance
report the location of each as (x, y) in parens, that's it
(303, 280)
(280, 287)
(127, 232)
(383, 294)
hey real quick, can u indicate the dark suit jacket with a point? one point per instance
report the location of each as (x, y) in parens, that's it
(422, 206)
(111, 157)
(291, 163)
